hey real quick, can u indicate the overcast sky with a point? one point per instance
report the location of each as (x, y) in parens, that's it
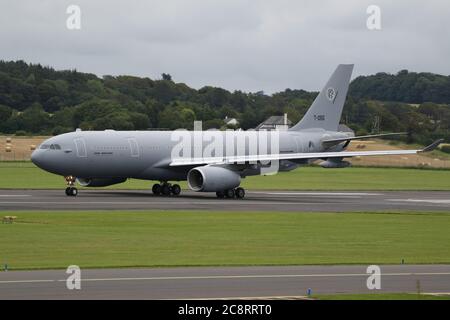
(246, 45)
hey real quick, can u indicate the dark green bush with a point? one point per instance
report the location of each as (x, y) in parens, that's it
(445, 148)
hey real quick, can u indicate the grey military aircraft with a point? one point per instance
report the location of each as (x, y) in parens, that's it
(103, 158)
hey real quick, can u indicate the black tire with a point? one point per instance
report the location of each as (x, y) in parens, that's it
(67, 191)
(220, 194)
(229, 193)
(156, 189)
(240, 193)
(176, 189)
(165, 190)
(73, 192)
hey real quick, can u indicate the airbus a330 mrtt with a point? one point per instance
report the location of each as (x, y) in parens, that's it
(102, 158)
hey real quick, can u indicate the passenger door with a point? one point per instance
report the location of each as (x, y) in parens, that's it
(134, 147)
(80, 146)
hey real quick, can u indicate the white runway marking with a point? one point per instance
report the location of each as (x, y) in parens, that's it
(255, 298)
(234, 277)
(245, 202)
(320, 193)
(236, 203)
(15, 195)
(291, 297)
(437, 201)
(27, 281)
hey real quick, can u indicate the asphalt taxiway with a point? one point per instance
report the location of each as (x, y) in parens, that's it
(254, 201)
(221, 282)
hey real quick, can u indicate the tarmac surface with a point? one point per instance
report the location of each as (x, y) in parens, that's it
(222, 282)
(254, 201)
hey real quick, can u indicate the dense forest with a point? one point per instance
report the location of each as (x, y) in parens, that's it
(35, 99)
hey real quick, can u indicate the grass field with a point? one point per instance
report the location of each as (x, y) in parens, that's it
(20, 147)
(434, 159)
(382, 296)
(25, 175)
(183, 238)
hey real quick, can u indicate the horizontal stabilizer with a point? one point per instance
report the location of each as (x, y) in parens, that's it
(331, 142)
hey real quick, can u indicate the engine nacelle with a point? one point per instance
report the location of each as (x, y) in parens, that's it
(210, 179)
(99, 182)
(334, 164)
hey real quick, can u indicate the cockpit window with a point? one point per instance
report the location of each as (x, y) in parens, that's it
(52, 146)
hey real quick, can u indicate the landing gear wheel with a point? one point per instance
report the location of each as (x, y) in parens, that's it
(240, 193)
(156, 189)
(229, 193)
(165, 189)
(176, 189)
(220, 194)
(71, 191)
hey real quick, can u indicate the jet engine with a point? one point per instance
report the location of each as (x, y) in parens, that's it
(99, 182)
(211, 178)
(334, 163)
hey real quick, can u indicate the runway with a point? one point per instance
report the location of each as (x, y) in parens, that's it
(221, 282)
(254, 201)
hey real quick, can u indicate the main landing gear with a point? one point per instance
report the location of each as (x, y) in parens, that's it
(71, 191)
(166, 189)
(238, 193)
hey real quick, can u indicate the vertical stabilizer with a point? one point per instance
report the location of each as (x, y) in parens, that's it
(326, 110)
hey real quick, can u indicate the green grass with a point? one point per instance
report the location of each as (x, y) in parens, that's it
(315, 178)
(381, 296)
(15, 175)
(185, 238)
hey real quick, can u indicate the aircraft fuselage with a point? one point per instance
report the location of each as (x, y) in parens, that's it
(146, 154)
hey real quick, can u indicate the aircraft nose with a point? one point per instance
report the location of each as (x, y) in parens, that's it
(36, 157)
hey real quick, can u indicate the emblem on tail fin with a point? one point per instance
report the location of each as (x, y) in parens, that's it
(331, 94)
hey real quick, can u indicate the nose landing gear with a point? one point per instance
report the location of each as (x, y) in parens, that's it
(71, 190)
(166, 189)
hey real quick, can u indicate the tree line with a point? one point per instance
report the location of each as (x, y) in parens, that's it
(36, 99)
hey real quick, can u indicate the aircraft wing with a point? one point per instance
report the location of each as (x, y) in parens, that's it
(295, 156)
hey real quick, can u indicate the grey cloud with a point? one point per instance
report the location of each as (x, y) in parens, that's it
(247, 45)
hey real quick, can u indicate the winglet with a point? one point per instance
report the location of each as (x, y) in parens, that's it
(432, 146)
